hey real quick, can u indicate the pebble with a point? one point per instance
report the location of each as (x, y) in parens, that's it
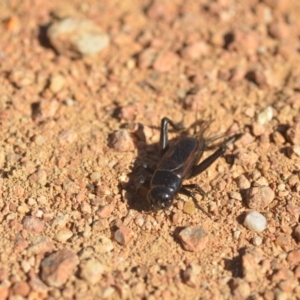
(63, 235)
(243, 182)
(193, 238)
(294, 257)
(244, 158)
(251, 264)
(105, 211)
(57, 82)
(76, 37)
(123, 235)
(240, 288)
(139, 220)
(257, 241)
(41, 245)
(121, 141)
(100, 225)
(105, 245)
(195, 50)
(21, 77)
(91, 270)
(255, 221)
(146, 58)
(189, 207)
(37, 284)
(58, 267)
(4, 291)
(33, 224)
(293, 134)
(85, 208)
(95, 176)
(191, 275)
(283, 242)
(265, 115)
(297, 233)
(21, 288)
(165, 62)
(259, 197)
(258, 129)
(40, 176)
(293, 151)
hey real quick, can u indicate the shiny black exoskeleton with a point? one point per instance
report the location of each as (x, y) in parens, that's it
(180, 162)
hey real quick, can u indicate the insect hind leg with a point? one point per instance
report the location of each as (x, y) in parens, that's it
(198, 169)
(164, 141)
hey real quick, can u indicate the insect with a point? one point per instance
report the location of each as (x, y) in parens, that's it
(178, 163)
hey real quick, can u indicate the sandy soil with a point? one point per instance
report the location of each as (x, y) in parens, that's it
(75, 128)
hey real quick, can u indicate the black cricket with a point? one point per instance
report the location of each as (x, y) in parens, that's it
(178, 163)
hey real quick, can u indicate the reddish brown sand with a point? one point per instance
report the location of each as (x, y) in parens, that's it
(74, 129)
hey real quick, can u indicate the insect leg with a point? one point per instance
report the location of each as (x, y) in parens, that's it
(164, 141)
(195, 187)
(186, 192)
(211, 159)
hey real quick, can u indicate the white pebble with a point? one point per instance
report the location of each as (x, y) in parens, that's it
(257, 241)
(255, 221)
(265, 115)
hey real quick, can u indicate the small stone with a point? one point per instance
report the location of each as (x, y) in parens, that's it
(36, 283)
(33, 224)
(251, 265)
(165, 62)
(41, 245)
(278, 138)
(297, 272)
(57, 83)
(293, 151)
(105, 245)
(4, 289)
(294, 211)
(100, 225)
(189, 207)
(58, 267)
(21, 77)
(191, 275)
(105, 211)
(91, 271)
(243, 182)
(265, 115)
(257, 241)
(244, 158)
(259, 197)
(294, 257)
(258, 129)
(255, 221)
(121, 141)
(95, 176)
(75, 37)
(297, 233)
(193, 239)
(196, 50)
(261, 181)
(139, 220)
(63, 235)
(123, 235)
(283, 242)
(235, 195)
(240, 288)
(40, 176)
(85, 208)
(293, 134)
(21, 288)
